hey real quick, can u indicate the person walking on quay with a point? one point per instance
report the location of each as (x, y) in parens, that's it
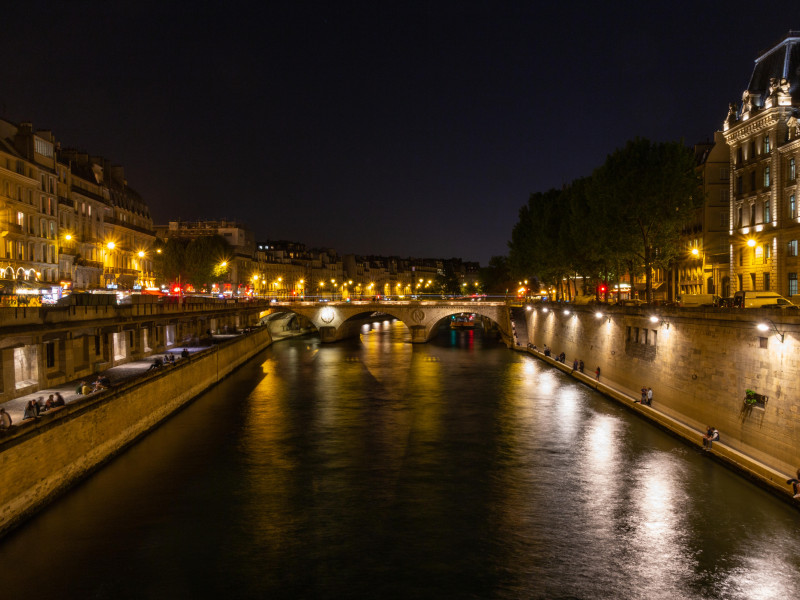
(597, 373)
(575, 365)
(644, 396)
(185, 353)
(649, 396)
(580, 366)
(5, 420)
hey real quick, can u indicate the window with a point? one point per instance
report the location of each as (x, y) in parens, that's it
(723, 219)
(792, 170)
(739, 184)
(766, 144)
(741, 257)
(792, 248)
(724, 174)
(752, 215)
(792, 284)
(766, 282)
(766, 177)
(767, 218)
(739, 217)
(50, 354)
(752, 180)
(752, 281)
(767, 252)
(739, 158)
(792, 207)
(741, 284)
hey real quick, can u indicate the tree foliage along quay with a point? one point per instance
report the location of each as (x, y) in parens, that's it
(626, 218)
(196, 262)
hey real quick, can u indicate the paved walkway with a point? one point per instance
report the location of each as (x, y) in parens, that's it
(16, 407)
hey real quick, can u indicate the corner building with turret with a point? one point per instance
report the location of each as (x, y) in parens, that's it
(763, 134)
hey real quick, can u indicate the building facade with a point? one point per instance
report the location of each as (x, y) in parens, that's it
(763, 135)
(67, 220)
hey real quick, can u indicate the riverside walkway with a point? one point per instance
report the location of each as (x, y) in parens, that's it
(752, 468)
(130, 370)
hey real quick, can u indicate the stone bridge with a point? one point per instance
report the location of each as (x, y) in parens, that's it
(339, 320)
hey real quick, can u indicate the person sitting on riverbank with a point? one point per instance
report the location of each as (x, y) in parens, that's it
(5, 420)
(157, 364)
(31, 410)
(185, 353)
(711, 436)
(59, 400)
(795, 483)
(49, 403)
(86, 389)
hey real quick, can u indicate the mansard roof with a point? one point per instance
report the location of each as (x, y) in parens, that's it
(779, 62)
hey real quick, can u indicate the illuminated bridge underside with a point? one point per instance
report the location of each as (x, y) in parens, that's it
(335, 320)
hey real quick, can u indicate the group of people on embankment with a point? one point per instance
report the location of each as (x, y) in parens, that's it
(33, 409)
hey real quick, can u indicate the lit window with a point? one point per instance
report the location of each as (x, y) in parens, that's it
(792, 171)
(766, 144)
(792, 207)
(766, 176)
(792, 284)
(766, 212)
(792, 248)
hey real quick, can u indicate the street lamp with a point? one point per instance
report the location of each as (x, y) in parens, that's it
(765, 327)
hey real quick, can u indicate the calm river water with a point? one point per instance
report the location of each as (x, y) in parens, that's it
(378, 469)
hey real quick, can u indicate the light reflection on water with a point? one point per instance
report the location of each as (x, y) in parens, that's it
(379, 468)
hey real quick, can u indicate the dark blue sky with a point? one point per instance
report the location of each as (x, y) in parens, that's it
(378, 127)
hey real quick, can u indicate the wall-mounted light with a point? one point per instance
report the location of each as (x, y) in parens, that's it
(566, 312)
(654, 319)
(600, 315)
(528, 308)
(765, 327)
(544, 310)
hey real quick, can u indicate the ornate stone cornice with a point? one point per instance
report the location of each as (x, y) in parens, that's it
(745, 129)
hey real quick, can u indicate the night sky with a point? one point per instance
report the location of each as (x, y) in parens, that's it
(381, 127)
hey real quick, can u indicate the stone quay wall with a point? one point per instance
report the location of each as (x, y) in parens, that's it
(40, 460)
(699, 364)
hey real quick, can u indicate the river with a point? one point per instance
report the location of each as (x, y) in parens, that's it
(375, 468)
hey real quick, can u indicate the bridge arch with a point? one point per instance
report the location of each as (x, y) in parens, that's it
(340, 320)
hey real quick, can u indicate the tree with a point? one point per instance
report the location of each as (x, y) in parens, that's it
(196, 262)
(448, 282)
(496, 277)
(539, 243)
(647, 192)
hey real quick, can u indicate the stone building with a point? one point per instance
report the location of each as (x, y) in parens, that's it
(67, 219)
(764, 140)
(28, 207)
(704, 267)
